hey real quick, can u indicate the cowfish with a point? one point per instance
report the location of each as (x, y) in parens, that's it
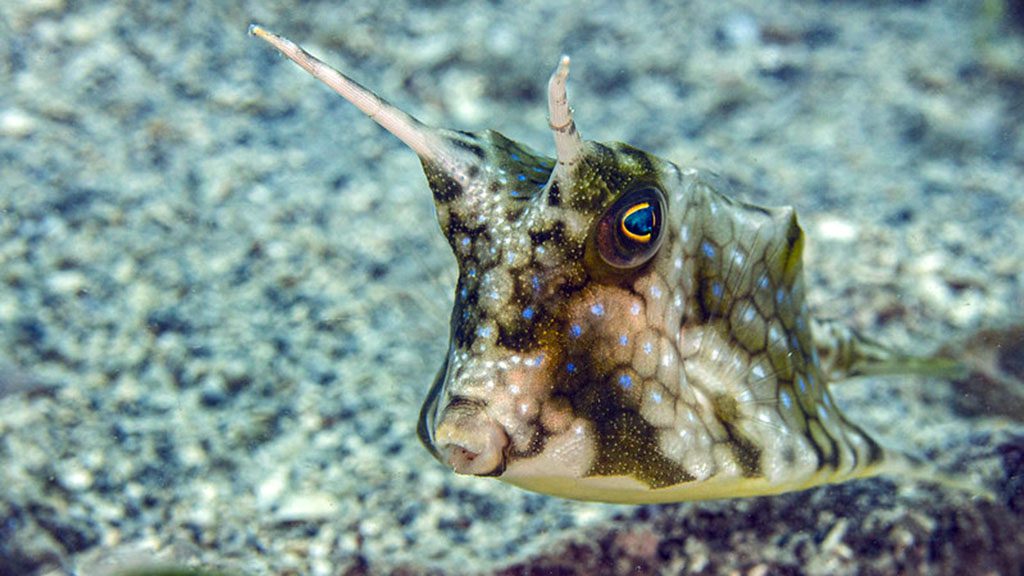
(622, 330)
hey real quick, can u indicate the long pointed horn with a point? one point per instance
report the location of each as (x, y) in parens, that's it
(568, 144)
(423, 139)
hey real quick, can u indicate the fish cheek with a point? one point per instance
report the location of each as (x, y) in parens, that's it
(606, 329)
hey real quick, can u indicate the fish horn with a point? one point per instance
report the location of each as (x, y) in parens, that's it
(425, 140)
(568, 144)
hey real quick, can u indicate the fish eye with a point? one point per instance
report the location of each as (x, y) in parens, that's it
(629, 233)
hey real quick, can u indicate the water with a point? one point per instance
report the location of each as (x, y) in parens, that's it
(223, 294)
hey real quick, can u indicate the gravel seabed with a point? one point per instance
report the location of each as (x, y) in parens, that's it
(223, 293)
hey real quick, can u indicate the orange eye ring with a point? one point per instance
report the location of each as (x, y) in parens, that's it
(642, 215)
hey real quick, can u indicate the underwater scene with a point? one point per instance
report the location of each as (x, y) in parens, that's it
(249, 327)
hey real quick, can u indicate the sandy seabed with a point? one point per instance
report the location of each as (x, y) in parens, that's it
(223, 294)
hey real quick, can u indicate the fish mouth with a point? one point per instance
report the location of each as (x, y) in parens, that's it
(470, 442)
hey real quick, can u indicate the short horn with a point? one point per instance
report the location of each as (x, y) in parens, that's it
(568, 144)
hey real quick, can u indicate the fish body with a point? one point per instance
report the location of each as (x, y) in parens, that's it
(622, 330)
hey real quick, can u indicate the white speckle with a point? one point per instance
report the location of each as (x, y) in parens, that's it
(836, 229)
(16, 124)
(678, 301)
(494, 295)
(578, 429)
(678, 263)
(738, 258)
(524, 408)
(648, 347)
(513, 389)
(684, 233)
(666, 360)
(516, 359)
(656, 291)
(77, 479)
(656, 397)
(635, 309)
(748, 315)
(757, 371)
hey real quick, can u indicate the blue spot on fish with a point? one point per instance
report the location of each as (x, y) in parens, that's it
(528, 312)
(570, 368)
(786, 399)
(597, 309)
(716, 289)
(626, 381)
(575, 330)
(707, 249)
(623, 340)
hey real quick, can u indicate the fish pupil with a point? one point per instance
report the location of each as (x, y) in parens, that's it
(638, 222)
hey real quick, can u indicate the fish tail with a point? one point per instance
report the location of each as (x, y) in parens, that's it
(903, 465)
(845, 353)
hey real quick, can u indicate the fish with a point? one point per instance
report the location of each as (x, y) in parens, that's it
(623, 329)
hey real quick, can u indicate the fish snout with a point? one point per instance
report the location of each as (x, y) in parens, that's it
(470, 441)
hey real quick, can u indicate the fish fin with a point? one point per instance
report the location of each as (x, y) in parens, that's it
(904, 465)
(845, 353)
